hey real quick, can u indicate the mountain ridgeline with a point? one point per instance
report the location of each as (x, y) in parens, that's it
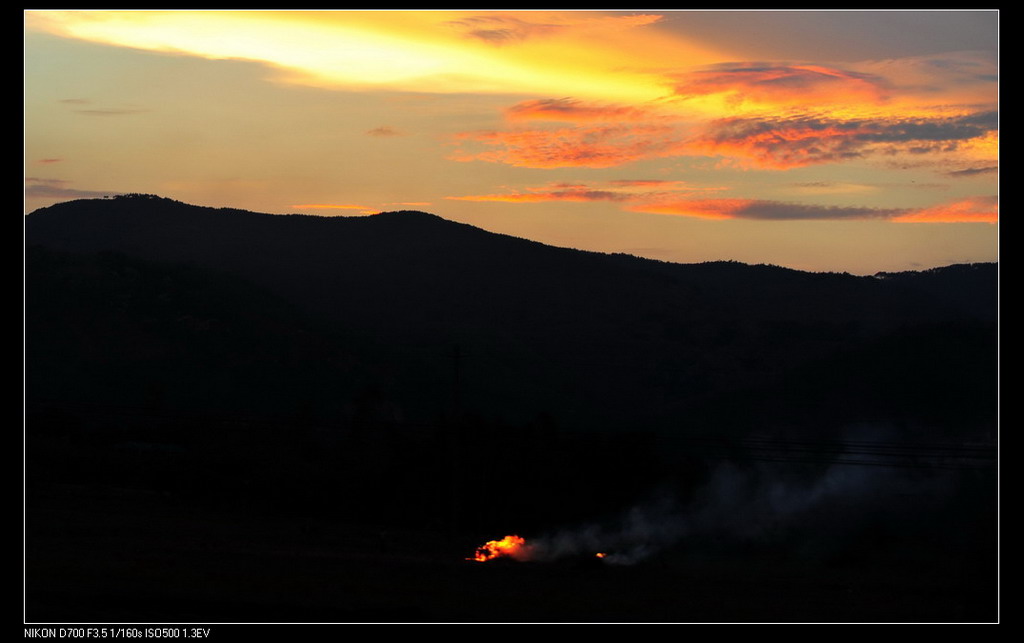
(394, 328)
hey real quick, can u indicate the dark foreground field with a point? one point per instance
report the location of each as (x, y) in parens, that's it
(103, 555)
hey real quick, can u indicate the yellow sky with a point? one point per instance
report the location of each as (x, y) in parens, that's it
(583, 54)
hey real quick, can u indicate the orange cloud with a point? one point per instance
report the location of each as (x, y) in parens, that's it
(651, 183)
(975, 210)
(699, 208)
(972, 210)
(776, 84)
(962, 78)
(607, 135)
(625, 190)
(678, 198)
(779, 144)
(594, 147)
(568, 110)
(774, 143)
(785, 143)
(574, 193)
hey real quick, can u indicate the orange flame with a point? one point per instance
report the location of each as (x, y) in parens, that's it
(507, 546)
(600, 554)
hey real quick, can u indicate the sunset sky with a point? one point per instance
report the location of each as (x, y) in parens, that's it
(855, 141)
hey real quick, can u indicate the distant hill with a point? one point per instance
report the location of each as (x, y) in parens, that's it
(516, 329)
(374, 268)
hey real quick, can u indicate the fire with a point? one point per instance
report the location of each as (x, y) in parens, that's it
(600, 554)
(507, 546)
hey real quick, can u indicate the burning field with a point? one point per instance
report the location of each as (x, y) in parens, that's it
(511, 546)
(516, 548)
(144, 559)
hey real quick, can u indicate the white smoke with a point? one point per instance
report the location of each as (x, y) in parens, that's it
(638, 534)
(811, 513)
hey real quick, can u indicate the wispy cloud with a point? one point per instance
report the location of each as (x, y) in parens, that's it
(621, 190)
(763, 210)
(783, 143)
(779, 116)
(975, 210)
(112, 111)
(679, 198)
(973, 171)
(509, 28)
(384, 131)
(594, 146)
(570, 110)
(504, 29)
(782, 84)
(972, 210)
(577, 193)
(613, 136)
(650, 183)
(56, 188)
(830, 187)
(101, 111)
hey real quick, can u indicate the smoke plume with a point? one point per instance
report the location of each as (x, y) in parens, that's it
(813, 512)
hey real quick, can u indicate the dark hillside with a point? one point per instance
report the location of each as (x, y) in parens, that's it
(233, 415)
(578, 336)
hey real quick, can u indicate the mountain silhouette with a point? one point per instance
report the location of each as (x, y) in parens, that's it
(331, 382)
(581, 336)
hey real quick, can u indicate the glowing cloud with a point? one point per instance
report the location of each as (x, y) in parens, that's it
(761, 210)
(789, 136)
(625, 190)
(973, 210)
(406, 50)
(775, 143)
(778, 85)
(768, 142)
(976, 210)
(679, 199)
(595, 146)
(577, 194)
(506, 27)
(966, 81)
(569, 110)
